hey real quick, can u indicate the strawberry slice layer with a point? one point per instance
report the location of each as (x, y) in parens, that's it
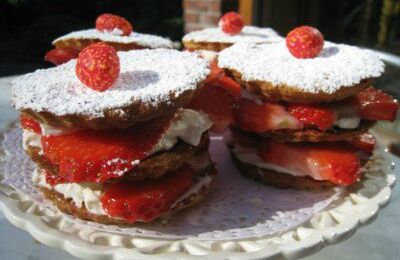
(376, 105)
(218, 78)
(365, 142)
(97, 156)
(217, 104)
(59, 56)
(334, 162)
(146, 201)
(313, 115)
(263, 117)
(30, 124)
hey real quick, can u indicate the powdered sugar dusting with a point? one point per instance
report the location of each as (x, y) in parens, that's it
(145, 40)
(148, 76)
(338, 65)
(248, 34)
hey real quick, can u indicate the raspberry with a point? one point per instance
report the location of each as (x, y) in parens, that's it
(305, 42)
(98, 66)
(109, 22)
(231, 23)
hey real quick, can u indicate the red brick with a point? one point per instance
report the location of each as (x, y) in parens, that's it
(215, 6)
(196, 5)
(191, 17)
(189, 27)
(209, 18)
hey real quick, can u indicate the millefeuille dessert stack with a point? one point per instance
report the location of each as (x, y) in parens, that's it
(230, 30)
(110, 137)
(112, 29)
(220, 92)
(306, 107)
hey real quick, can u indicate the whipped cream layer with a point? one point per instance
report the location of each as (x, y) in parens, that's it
(89, 194)
(251, 34)
(188, 126)
(249, 155)
(337, 66)
(115, 36)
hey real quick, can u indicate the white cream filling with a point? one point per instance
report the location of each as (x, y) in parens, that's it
(207, 55)
(30, 138)
(88, 194)
(249, 155)
(189, 128)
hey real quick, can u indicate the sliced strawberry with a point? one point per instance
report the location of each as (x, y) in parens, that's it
(30, 124)
(231, 86)
(53, 179)
(263, 117)
(365, 142)
(335, 162)
(376, 105)
(218, 78)
(146, 201)
(96, 156)
(313, 115)
(216, 72)
(59, 56)
(217, 104)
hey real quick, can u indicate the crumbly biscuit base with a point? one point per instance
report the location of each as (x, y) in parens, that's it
(314, 135)
(80, 44)
(280, 180)
(122, 117)
(209, 46)
(294, 95)
(306, 135)
(153, 167)
(69, 207)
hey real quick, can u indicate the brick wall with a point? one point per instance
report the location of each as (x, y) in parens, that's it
(199, 14)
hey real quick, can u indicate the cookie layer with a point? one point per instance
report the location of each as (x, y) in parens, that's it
(140, 40)
(216, 40)
(201, 187)
(279, 180)
(146, 88)
(153, 167)
(338, 72)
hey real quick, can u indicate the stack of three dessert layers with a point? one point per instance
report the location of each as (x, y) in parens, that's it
(303, 123)
(129, 153)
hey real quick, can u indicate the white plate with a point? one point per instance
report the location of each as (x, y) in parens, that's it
(360, 204)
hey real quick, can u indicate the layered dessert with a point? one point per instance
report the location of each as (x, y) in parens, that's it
(220, 93)
(110, 136)
(230, 30)
(305, 109)
(112, 29)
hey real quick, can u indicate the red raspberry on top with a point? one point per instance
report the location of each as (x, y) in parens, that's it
(97, 66)
(231, 23)
(305, 42)
(109, 22)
